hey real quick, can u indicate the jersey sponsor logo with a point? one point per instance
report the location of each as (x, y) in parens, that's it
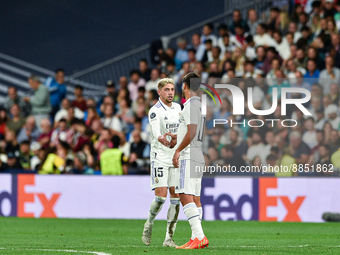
(174, 125)
(153, 115)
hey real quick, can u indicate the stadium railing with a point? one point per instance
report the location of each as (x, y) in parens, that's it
(15, 72)
(121, 65)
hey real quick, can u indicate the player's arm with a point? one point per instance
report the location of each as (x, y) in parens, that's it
(155, 126)
(189, 136)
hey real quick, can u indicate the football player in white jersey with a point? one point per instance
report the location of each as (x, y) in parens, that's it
(190, 160)
(164, 122)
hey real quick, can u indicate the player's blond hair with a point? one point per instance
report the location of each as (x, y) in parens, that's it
(164, 82)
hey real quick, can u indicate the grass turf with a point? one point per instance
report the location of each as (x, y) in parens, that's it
(65, 236)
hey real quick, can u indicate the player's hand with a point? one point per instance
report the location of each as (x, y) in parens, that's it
(175, 159)
(173, 141)
(162, 140)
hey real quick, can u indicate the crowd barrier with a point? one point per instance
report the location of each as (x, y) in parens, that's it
(129, 197)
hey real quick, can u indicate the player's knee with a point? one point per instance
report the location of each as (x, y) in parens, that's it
(161, 192)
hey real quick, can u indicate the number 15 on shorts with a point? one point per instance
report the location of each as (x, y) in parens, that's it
(158, 172)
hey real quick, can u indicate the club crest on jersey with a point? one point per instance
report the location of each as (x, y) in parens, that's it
(153, 115)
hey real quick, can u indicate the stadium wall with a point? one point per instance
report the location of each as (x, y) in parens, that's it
(129, 197)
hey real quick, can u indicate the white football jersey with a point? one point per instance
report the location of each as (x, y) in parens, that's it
(163, 119)
(192, 114)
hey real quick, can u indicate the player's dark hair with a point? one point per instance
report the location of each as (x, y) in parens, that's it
(188, 77)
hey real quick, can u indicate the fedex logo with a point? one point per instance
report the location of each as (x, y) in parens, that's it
(238, 206)
(253, 204)
(266, 201)
(16, 202)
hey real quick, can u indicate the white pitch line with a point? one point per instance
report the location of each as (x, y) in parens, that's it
(89, 252)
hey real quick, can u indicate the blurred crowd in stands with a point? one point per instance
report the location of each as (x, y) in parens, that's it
(49, 134)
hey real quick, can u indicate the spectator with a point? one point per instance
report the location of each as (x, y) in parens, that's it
(80, 101)
(312, 53)
(56, 89)
(16, 122)
(207, 34)
(126, 115)
(280, 83)
(252, 21)
(80, 164)
(334, 144)
(135, 83)
(144, 72)
(282, 45)
(293, 28)
(25, 155)
(329, 75)
(13, 162)
(182, 53)
(111, 121)
(334, 94)
(38, 156)
(113, 161)
(237, 21)
(10, 144)
(63, 112)
(250, 48)
(96, 128)
(91, 116)
(29, 132)
(59, 134)
(197, 45)
(40, 101)
(55, 160)
(13, 98)
(300, 149)
(46, 133)
(152, 83)
(256, 148)
(262, 38)
(331, 113)
(325, 157)
(309, 136)
(80, 137)
(312, 75)
(139, 151)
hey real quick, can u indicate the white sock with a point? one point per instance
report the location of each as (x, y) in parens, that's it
(200, 211)
(191, 211)
(172, 217)
(155, 208)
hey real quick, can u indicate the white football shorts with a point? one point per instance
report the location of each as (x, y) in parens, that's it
(189, 177)
(162, 175)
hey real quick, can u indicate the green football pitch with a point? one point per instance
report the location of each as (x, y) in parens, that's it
(102, 237)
